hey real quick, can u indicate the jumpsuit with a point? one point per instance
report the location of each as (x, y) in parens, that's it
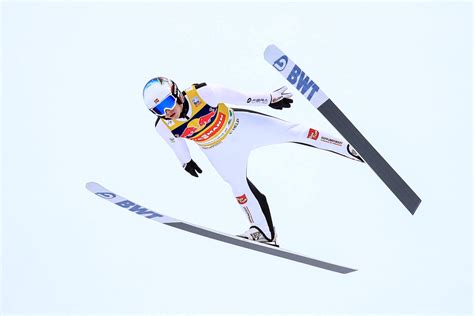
(228, 135)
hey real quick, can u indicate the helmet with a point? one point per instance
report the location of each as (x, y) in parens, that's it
(161, 94)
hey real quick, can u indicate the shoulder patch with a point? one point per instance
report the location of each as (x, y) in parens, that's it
(199, 85)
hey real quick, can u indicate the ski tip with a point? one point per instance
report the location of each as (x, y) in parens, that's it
(270, 47)
(272, 52)
(91, 185)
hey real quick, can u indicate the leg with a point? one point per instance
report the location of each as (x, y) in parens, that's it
(300, 134)
(231, 164)
(268, 130)
(255, 206)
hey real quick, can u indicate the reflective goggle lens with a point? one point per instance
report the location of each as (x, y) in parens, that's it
(167, 104)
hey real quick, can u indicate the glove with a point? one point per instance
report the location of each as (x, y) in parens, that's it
(281, 99)
(192, 168)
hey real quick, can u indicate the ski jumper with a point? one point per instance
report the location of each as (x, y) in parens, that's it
(227, 136)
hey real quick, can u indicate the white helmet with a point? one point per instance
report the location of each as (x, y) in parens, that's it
(161, 94)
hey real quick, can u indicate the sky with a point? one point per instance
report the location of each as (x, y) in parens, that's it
(72, 112)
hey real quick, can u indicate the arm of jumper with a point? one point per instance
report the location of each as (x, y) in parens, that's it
(178, 145)
(215, 94)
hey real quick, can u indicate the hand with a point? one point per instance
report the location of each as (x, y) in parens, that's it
(281, 99)
(192, 168)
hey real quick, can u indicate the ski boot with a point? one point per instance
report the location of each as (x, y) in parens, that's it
(256, 234)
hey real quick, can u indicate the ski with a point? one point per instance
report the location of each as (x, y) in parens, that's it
(311, 91)
(118, 200)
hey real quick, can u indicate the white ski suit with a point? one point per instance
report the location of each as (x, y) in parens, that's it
(228, 135)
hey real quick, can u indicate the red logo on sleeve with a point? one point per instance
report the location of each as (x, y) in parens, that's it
(313, 134)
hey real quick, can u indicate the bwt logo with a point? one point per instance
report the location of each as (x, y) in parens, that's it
(138, 209)
(297, 77)
(130, 205)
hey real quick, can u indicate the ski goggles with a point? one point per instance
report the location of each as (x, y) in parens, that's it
(168, 103)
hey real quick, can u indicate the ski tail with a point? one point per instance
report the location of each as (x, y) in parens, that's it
(379, 165)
